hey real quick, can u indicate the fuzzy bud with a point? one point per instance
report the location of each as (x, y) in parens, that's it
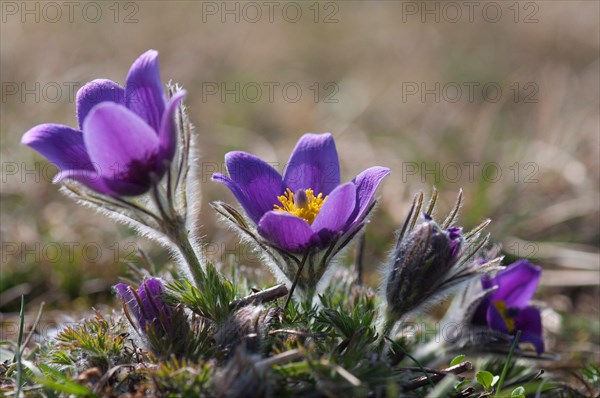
(248, 324)
(419, 266)
(147, 306)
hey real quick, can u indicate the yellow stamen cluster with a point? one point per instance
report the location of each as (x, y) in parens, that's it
(305, 206)
(508, 320)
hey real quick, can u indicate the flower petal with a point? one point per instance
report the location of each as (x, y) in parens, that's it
(529, 322)
(144, 92)
(516, 283)
(366, 185)
(313, 164)
(129, 299)
(168, 129)
(95, 92)
(60, 144)
(254, 183)
(123, 147)
(495, 320)
(287, 231)
(150, 293)
(90, 178)
(336, 210)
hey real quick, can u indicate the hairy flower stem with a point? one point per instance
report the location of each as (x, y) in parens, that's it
(182, 240)
(385, 326)
(173, 225)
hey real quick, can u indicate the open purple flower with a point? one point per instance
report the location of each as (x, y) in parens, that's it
(126, 137)
(306, 208)
(506, 309)
(147, 305)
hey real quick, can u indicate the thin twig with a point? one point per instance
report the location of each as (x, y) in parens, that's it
(284, 357)
(297, 333)
(416, 361)
(436, 375)
(106, 377)
(34, 326)
(270, 294)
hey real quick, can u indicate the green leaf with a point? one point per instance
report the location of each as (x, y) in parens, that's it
(518, 392)
(462, 384)
(457, 359)
(59, 382)
(485, 378)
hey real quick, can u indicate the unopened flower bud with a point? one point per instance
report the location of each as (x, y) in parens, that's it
(147, 305)
(248, 324)
(420, 265)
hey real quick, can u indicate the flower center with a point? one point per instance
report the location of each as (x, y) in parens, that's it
(303, 203)
(507, 315)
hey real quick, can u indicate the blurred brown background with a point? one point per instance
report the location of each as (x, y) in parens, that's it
(498, 98)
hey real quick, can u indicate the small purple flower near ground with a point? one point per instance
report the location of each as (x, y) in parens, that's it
(126, 138)
(507, 309)
(147, 305)
(306, 208)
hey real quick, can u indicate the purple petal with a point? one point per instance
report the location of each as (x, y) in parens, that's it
(168, 129)
(487, 282)
(95, 92)
(454, 234)
(337, 209)
(495, 320)
(129, 299)
(154, 307)
(529, 322)
(61, 145)
(122, 146)
(366, 185)
(313, 164)
(516, 283)
(90, 178)
(287, 231)
(254, 183)
(144, 93)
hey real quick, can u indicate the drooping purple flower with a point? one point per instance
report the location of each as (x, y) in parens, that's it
(506, 309)
(147, 305)
(126, 137)
(307, 208)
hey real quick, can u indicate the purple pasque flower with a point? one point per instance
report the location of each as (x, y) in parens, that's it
(147, 305)
(506, 309)
(307, 208)
(126, 137)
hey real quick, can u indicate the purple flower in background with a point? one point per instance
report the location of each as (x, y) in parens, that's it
(147, 305)
(306, 208)
(126, 138)
(507, 309)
